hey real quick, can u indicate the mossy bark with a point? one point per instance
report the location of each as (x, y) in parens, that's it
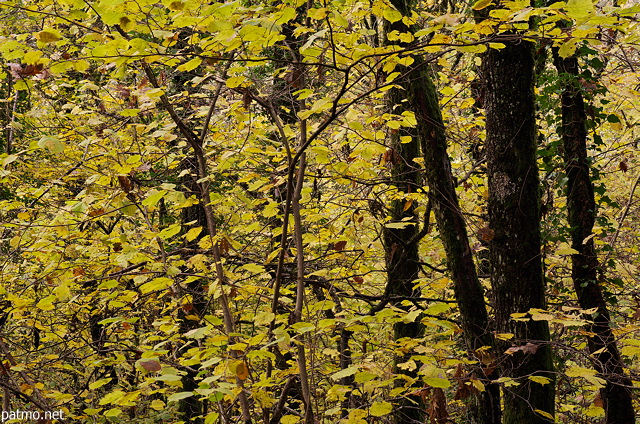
(453, 233)
(616, 395)
(418, 94)
(514, 218)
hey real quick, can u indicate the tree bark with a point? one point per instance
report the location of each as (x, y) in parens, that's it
(514, 218)
(616, 395)
(453, 233)
(429, 136)
(401, 250)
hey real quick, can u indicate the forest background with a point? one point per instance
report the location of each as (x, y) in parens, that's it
(320, 211)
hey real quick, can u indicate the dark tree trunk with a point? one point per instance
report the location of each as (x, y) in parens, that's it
(402, 248)
(514, 218)
(192, 409)
(616, 395)
(453, 233)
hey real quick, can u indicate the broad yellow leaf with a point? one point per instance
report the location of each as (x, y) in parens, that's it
(481, 4)
(378, 409)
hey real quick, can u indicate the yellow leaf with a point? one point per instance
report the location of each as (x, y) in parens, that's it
(441, 383)
(564, 249)
(540, 379)
(579, 9)
(48, 36)
(568, 48)
(545, 414)
(481, 4)
(53, 144)
(378, 409)
(46, 304)
(190, 65)
(392, 15)
(193, 233)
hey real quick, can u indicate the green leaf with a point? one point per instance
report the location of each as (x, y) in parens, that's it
(153, 197)
(179, 396)
(53, 144)
(345, 373)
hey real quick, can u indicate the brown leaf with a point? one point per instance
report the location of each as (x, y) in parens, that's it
(224, 246)
(486, 234)
(423, 393)
(96, 212)
(465, 389)
(125, 183)
(527, 348)
(624, 167)
(150, 365)
(340, 245)
(358, 279)
(117, 246)
(242, 371)
(597, 401)
(438, 407)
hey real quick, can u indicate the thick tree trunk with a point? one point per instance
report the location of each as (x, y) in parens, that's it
(514, 218)
(616, 395)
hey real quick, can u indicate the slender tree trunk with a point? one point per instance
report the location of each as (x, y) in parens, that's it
(514, 218)
(401, 242)
(401, 251)
(429, 134)
(453, 233)
(616, 395)
(191, 408)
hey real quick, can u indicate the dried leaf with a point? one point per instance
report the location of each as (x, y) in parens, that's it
(438, 407)
(340, 245)
(527, 348)
(486, 233)
(150, 365)
(597, 401)
(242, 371)
(623, 166)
